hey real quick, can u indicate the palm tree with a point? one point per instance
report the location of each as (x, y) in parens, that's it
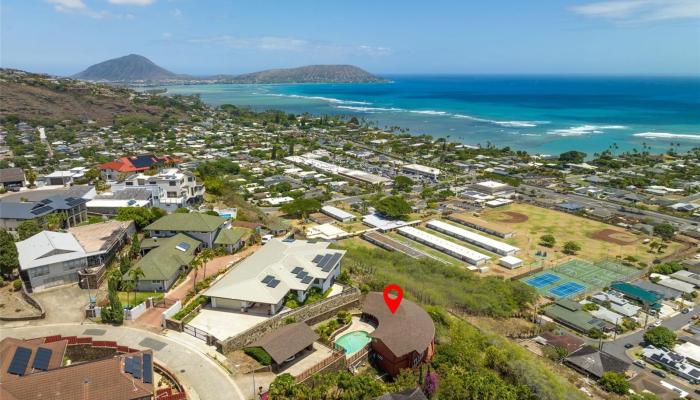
(135, 274)
(54, 221)
(128, 286)
(195, 264)
(206, 255)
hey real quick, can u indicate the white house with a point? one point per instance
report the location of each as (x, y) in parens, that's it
(421, 171)
(280, 267)
(172, 188)
(50, 259)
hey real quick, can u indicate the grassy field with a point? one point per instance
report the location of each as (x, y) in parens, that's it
(137, 298)
(567, 227)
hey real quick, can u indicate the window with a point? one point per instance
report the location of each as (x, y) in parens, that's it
(172, 183)
(129, 183)
(40, 271)
(172, 195)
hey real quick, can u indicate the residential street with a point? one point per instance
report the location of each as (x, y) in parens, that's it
(202, 377)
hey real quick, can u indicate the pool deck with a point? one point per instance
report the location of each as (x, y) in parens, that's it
(357, 325)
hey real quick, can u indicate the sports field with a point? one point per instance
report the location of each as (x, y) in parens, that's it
(598, 240)
(575, 277)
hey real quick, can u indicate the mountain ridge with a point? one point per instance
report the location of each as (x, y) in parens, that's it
(137, 68)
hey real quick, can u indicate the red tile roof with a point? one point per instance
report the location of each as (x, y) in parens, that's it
(126, 164)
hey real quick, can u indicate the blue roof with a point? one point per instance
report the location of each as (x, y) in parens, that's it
(570, 206)
(14, 210)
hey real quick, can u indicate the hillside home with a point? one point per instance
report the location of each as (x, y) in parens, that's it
(134, 164)
(171, 188)
(203, 227)
(12, 178)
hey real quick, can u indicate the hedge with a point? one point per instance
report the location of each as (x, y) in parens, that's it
(189, 307)
(259, 355)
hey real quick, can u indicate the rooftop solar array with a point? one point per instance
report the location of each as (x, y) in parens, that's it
(317, 259)
(41, 210)
(303, 274)
(296, 270)
(41, 359)
(20, 360)
(147, 368)
(267, 279)
(307, 279)
(330, 263)
(183, 246)
(273, 283)
(137, 367)
(73, 201)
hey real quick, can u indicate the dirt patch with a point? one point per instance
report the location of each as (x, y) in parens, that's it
(613, 236)
(512, 217)
(12, 304)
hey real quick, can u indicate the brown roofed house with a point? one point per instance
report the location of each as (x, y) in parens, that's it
(286, 342)
(11, 178)
(403, 339)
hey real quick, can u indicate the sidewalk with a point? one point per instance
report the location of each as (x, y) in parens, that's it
(152, 316)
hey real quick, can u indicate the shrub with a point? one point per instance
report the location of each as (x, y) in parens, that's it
(571, 248)
(660, 336)
(17, 285)
(590, 307)
(547, 240)
(344, 317)
(189, 307)
(614, 382)
(259, 355)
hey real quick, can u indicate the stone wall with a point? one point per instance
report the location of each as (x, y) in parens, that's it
(310, 314)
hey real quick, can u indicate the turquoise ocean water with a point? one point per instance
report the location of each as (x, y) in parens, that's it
(540, 114)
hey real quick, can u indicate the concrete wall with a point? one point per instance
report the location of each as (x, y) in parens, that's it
(172, 310)
(310, 314)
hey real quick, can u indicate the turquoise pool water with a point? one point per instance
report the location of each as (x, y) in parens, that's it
(353, 341)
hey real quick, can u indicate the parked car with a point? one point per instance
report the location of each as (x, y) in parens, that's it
(685, 311)
(656, 323)
(658, 372)
(628, 345)
(640, 363)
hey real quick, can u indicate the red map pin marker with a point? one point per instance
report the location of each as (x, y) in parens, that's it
(393, 302)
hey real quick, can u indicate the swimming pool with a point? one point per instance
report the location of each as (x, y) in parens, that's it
(353, 341)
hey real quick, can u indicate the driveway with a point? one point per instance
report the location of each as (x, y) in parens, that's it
(62, 304)
(224, 324)
(152, 316)
(202, 377)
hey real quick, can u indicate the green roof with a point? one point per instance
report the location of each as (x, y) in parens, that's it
(163, 261)
(637, 293)
(190, 222)
(231, 236)
(580, 320)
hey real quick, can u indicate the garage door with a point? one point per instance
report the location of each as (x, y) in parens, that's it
(230, 304)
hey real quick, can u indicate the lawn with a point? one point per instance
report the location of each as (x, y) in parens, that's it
(137, 298)
(567, 227)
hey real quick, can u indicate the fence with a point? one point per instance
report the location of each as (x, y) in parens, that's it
(310, 314)
(328, 361)
(174, 309)
(135, 312)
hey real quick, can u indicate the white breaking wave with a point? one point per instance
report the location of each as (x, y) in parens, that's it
(666, 135)
(510, 124)
(429, 112)
(584, 130)
(327, 99)
(370, 109)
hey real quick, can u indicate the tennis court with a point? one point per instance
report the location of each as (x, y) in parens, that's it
(576, 277)
(566, 289)
(543, 280)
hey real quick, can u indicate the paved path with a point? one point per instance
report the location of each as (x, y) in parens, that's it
(202, 377)
(152, 316)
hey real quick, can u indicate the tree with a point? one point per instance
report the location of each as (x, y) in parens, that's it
(30, 174)
(661, 337)
(664, 230)
(28, 228)
(8, 253)
(595, 333)
(135, 274)
(394, 207)
(140, 215)
(195, 264)
(403, 183)
(135, 247)
(54, 221)
(572, 157)
(571, 248)
(547, 240)
(555, 353)
(181, 210)
(206, 255)
(614, 382)
(128, 286)
(301, 207)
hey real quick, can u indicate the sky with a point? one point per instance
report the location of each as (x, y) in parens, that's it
(628, 37)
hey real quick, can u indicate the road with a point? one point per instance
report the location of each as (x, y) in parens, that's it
(203, 378)
(589, 202)
(617, 347)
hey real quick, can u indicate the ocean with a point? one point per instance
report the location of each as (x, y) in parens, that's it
(539, 114)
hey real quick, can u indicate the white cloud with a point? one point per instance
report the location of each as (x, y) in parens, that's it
(637, 11)
(177, 13)
(79, 7)
(63, 5)
(166, 35)
(132, 2)
(278, 43)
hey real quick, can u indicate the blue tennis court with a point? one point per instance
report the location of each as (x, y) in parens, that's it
(543, 280)
(566, 289)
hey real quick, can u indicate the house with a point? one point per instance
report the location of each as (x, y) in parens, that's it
(203, 227)
(109, 203)
(494, 188)
(61, 178)
(594, 363)
(12, 178)
(616, 303)
(134, 164)
(569, 313)
(170, 188)
(403, 339)
(233, 239)
(688, 277)
(673, 362)
(165, 260)
(570, 207)
(560, 339)
(280, 267)
(637, 293)
(72, 209)
(33, 369)
(285, 344)
(50, 259)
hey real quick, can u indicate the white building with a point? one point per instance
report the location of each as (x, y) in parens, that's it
(482, 241)
(172, 188)
(446, 246)
(264, 279)
(510, 262)
(421, 171)
(494, 188)
(337, 213)
(58, 178)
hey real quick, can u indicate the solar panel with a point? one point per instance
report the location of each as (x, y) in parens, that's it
(183, 246)
(267, 279)
(128, 365)
(317, 259)
(20, 361)
(137, 367)
(41, 210)
(273, 283)
(72, 201)
(307, 280)
(302, 275)
(296, 270)
(147, 368)
(46, 201)
(331, 262)
(323, 260)
(41, 359)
